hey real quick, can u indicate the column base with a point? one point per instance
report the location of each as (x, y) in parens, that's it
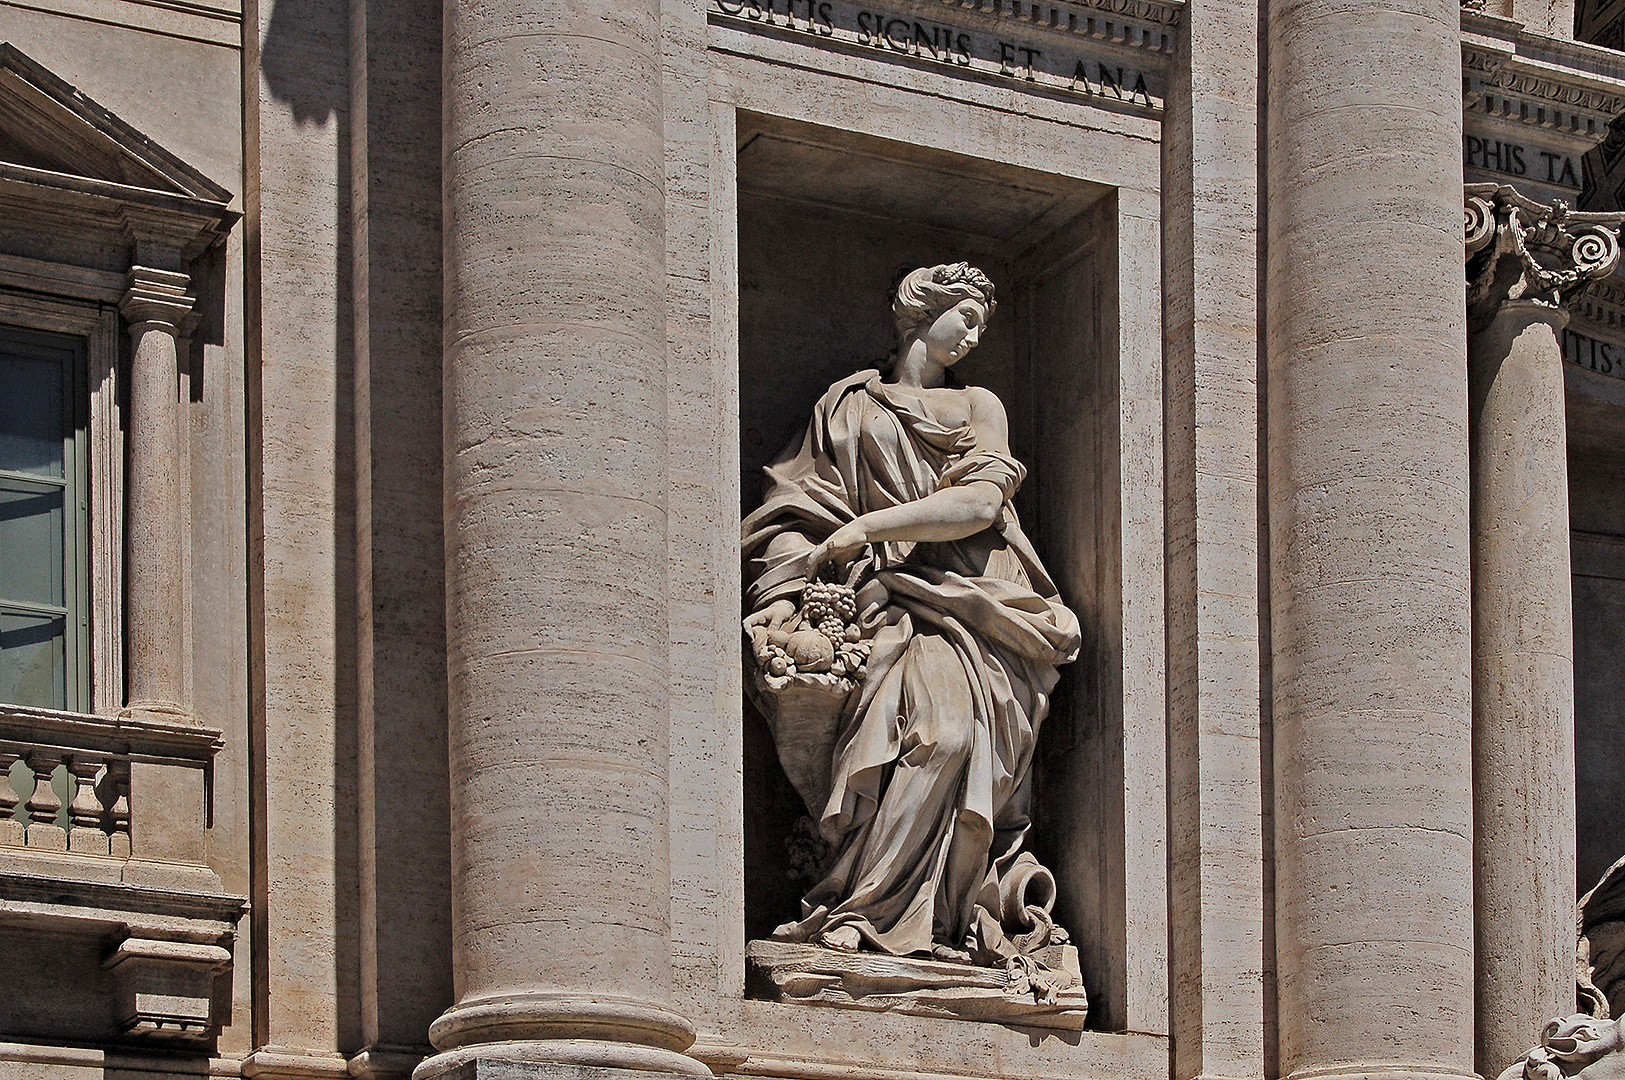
(562, 1029)
(1383, 1070)
(557, 1059)
(384, 1062)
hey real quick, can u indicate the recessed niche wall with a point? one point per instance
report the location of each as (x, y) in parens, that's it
(827, 221)
(1596, 429)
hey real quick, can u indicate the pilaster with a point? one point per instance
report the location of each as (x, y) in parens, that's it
(1212, 403)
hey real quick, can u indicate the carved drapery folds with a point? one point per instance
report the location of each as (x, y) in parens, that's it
(1578, 1045)
(1519, 249)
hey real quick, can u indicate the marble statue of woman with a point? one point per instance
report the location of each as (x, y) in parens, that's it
(918, 769)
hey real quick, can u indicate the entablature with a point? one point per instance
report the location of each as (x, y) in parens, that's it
(1110, 54)
(1533, 106)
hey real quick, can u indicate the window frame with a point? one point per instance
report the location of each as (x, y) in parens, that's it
(74, 484)
(45, 297)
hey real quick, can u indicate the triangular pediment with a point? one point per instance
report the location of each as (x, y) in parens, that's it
(48, 125)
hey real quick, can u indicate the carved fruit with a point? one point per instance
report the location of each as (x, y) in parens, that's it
(778, 665)
(811, 652)
(781, 638)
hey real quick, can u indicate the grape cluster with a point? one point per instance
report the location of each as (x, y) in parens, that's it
(828, 608)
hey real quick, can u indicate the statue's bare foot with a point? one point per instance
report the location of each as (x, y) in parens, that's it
(841, 939)
(948, 954)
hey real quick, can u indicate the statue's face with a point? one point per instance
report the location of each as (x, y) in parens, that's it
(955, 332)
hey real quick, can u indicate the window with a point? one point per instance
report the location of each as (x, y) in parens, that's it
(44, 571)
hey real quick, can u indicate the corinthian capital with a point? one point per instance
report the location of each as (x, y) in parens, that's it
(1537, 253)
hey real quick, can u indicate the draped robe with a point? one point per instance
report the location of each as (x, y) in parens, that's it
(930, 784)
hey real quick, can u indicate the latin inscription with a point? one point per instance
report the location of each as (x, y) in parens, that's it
(1513, 159)
(949, 46)
(1603, 357)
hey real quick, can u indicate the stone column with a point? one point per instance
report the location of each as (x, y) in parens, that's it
(555, 531)
(1524, 256)
(155, 305)
(1368, 532)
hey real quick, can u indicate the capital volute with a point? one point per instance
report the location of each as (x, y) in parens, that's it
(156, 300)
(1529, 256)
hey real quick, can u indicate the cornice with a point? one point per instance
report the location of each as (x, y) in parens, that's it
(1097, 19)
(116, 901)
(101, 203)
(1556, 89)
(41, 108)
(140, 737)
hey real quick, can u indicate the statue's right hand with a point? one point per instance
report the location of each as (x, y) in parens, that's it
(772, 617)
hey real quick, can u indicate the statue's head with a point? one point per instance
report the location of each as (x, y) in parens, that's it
(926, 293)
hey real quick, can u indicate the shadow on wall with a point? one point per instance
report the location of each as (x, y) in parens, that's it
(302, 267)
(303, 58)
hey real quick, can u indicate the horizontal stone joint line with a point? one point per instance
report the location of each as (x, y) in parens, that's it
(473, 44)
(1407, 828)
(604, 329)
(512, 919)
(653, 183)
(1345, 478)
(1451, 26)
(1359, 581)
(1466, 949)
(601, 763)
(548, 650)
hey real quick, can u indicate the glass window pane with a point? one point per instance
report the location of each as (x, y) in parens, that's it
(33, 650)
(32, 551)
(31, 409)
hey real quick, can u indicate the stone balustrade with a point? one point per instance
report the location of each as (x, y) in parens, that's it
(120, 787)
(93, 819)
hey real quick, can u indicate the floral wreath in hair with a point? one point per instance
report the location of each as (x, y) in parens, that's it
(963, 273)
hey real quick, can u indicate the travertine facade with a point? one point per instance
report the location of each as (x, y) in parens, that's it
(383, 388)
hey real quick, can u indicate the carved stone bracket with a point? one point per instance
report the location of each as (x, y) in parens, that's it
(1537, 253)
(167, 989)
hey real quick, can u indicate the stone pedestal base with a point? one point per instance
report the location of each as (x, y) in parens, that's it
(778, 971)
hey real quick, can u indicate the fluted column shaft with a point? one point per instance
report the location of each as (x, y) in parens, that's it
(154, 306)
(555, 530)
(1369, 545)
(1523, 681)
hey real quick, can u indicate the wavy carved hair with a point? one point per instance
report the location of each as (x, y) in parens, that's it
(925, 293)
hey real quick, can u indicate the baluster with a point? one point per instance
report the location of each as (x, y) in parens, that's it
(44, 806)
(114, 792)
(85, 811)
(11, 831)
